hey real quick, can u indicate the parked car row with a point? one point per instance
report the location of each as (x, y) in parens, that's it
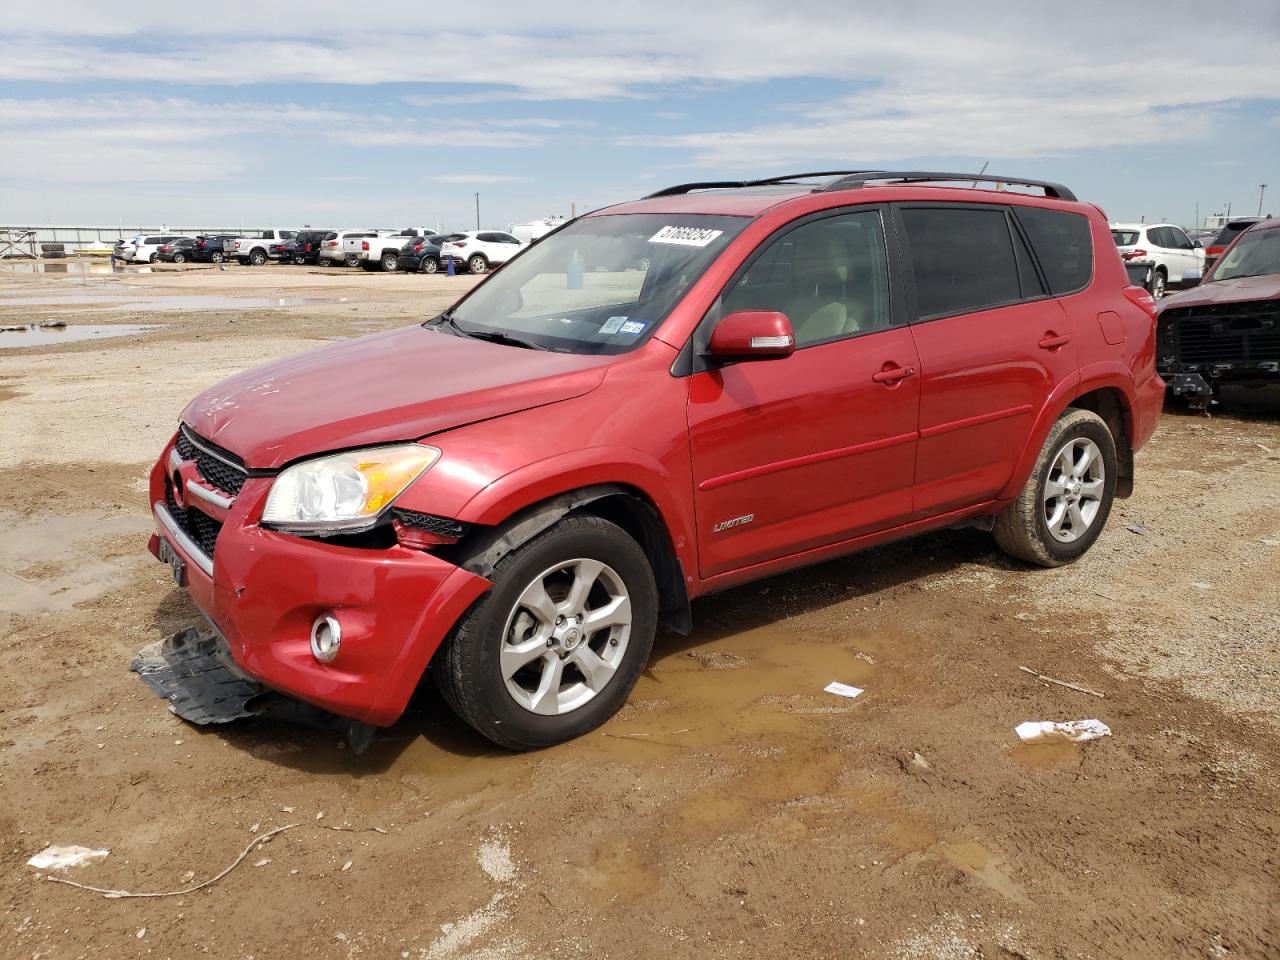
(410, 248)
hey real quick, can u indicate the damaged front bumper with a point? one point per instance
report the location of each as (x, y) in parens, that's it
(193, 670)
(263, 591)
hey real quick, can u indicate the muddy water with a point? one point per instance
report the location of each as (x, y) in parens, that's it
(98, 302)
(74, 333)
(103, 266)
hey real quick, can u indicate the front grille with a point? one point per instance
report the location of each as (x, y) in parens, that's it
(440, 526)
(200, 527)
(1222, 333)
(215, 471)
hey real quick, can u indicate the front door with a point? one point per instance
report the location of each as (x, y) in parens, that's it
(793, 454)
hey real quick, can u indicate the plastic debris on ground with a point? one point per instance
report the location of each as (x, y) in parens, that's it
(60, 858)
(842, 689)
(1074, 730)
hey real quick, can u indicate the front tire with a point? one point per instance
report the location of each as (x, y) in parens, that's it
(153, 258)
(1066, 501)
(553, 650)
(477, 264)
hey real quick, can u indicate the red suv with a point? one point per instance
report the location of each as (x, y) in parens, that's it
(656, 401)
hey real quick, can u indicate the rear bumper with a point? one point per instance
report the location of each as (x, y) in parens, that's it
(263, 590)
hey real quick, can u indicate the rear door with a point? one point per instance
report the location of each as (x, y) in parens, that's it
(793, 454)
(993, 347)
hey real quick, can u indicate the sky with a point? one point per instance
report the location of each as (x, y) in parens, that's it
(340, 114)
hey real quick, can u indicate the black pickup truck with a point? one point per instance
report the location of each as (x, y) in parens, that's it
(308, 250)
(208, 248)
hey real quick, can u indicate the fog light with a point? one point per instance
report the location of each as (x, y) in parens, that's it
(326, 638)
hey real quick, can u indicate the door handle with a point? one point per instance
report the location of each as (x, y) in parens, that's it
(892, 374)
(1052, 342)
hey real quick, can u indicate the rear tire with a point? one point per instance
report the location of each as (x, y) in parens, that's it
(257, 258)
(389, 262)
(527, 679)
(1159, 282)
(429, 265)
(477, 264)
(215, 257)
(179, 258)
(1065, 503)
(299, 261)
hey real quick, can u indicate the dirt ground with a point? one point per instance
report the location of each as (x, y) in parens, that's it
(733, 809)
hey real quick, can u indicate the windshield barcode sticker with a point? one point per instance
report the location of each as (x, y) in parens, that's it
(685, 236)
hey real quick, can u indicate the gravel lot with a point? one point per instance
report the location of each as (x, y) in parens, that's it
(733, 809)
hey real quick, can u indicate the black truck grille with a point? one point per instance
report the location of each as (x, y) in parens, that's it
(215, 471)
(1224, 333)
(200, 527)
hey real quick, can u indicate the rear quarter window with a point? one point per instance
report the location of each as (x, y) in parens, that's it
(1124, 238)
(1063, 243)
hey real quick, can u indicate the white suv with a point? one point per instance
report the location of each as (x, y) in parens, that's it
(481, 249)
(143, 248)
(1167, 252)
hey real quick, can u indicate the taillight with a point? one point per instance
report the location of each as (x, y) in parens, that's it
(417, 248)
(1214, 251)
(459, 243)
(200, 244)
(1133, 255)
(364, 244)
(1141, 298)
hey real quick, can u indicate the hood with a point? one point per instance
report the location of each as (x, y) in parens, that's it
(1266, 287)
(389, 387)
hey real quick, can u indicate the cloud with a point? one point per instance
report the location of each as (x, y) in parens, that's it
(478, 178)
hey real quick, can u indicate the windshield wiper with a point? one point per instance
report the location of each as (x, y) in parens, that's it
(493, 336)
(497, 336)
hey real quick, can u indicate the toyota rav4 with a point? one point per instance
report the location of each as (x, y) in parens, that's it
(512, 497)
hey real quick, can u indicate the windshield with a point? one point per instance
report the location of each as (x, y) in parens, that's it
(1255, 254)
(1124, 238)
(599, 285)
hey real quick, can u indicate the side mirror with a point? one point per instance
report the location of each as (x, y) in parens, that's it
(753, 335)
(1192, 278)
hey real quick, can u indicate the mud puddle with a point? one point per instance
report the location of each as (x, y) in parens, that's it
(76, 267)
(37, 336)
(160, 304)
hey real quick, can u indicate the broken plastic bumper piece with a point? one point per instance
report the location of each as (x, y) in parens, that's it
(194, 671)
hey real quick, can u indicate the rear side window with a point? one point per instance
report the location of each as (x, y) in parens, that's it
(962, 257)
(1063, 243)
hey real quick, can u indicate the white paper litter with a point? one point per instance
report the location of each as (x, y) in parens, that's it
(59, 858)
(842, 689)
(1075, 730)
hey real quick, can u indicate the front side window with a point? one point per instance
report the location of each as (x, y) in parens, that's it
(602, 284)
(1257, 254)
(829, 276)
(962, 257)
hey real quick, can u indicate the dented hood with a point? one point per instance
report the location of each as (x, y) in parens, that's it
(1266, 287)
(396, 386)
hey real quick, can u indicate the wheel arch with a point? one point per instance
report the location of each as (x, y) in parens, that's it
(1105, 389)
(625, 505)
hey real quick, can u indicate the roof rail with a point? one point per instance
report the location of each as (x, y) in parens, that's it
(680, 188)
(859, 179)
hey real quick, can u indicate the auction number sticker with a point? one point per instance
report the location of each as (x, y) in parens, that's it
(685, 236)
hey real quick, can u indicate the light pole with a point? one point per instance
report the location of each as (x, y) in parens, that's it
(477, 211)
(1262, 188)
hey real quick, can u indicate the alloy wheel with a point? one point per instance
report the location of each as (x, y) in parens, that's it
(566, 636)
(1073, 489)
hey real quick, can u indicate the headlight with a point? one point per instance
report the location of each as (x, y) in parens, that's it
(345, 492)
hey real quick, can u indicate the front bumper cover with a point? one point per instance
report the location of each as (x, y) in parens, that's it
(193, 670)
